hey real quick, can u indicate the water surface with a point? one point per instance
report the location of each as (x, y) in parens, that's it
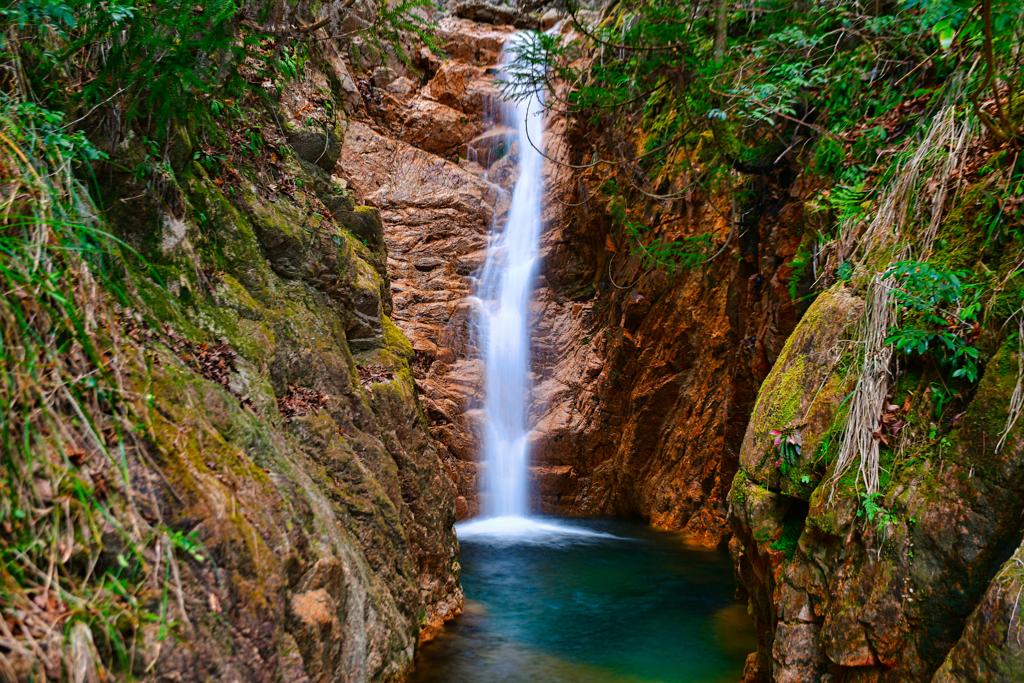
(618, 603)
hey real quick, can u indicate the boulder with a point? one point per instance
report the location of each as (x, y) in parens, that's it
(492, 13)
(436, 128)
(318, 148)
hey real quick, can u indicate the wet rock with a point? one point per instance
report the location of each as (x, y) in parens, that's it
(991, 647)
(469, 89)
(461, 508)
(438, 129)
(551, 485)
(549, 19)
(488, 148)
(471, 43)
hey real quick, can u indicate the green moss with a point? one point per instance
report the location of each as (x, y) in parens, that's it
(961, 235)
(395, 340)
(781, 404)
(738, 493)
(787, 542)
(827, 516)
(986, 415)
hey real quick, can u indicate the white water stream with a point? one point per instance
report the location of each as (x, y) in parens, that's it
(505, 289)
(504, 294)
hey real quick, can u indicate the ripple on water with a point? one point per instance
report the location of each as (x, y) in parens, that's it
(566, 601)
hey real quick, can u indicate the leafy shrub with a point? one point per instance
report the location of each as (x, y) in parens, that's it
(162, 60)
(942, 326)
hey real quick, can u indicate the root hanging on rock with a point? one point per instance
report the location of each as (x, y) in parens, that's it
(1017, 398)
(939, 157)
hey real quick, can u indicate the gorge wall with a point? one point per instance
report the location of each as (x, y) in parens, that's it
(638, 391)
(256, 496)
(646, 376)
(657, 391)
(294, 355)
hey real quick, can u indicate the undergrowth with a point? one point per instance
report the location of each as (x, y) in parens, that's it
(73, 547)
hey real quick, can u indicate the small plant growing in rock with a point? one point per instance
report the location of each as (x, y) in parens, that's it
(871, 507)
(789, 444)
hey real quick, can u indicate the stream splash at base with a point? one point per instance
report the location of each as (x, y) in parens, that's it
(515, 529)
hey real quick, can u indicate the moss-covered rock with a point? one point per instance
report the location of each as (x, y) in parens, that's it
(329, 533)
(804, 391)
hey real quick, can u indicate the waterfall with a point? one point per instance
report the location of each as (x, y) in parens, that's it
(505, 289)
(503, 295)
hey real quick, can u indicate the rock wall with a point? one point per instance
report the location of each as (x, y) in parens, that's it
(283, 474)
(645, 377)
(641, 393)
(409, 158)
(656, 392)
(837, 595)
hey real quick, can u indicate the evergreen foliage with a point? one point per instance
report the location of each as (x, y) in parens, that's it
(161, 61)
(849, 83)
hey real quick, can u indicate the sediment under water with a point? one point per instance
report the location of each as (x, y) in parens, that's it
(623, 604)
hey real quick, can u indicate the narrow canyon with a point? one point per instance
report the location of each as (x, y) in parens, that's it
(266, 362)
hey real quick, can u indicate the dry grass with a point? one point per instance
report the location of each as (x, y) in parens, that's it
(67, 420)
(909, 213)
(1017, 398)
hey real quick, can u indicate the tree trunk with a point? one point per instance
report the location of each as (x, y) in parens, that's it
(721, 25)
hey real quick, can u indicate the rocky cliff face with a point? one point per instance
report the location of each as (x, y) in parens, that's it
(654, 389)
(919, 581)
(640, 390)
(885, 600)
(280, 510)
(434, 160)
(646, 377)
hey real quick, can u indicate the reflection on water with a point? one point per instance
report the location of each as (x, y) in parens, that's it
(628, 605)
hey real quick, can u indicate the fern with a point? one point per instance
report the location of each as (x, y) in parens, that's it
(848, 200)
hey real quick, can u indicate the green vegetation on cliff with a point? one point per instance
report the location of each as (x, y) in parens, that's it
(715, 97)
(214, 460)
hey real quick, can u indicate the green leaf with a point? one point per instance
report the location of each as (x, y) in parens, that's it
(945, 32)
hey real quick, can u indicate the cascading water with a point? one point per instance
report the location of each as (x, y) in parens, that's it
(505, 287)
(503, 296)
(533, 611)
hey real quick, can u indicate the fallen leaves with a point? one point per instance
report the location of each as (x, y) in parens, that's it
(300, 401)
(215, 362)
(374, 374)
(891, 423)
(368, 92)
